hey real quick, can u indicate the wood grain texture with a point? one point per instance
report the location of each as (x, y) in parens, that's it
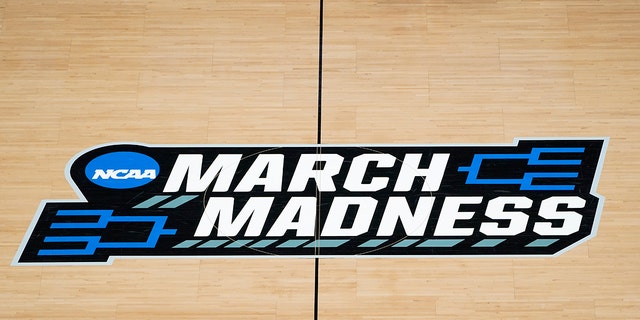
(74, 74)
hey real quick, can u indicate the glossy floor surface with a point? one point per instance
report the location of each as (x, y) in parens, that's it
(74, 74)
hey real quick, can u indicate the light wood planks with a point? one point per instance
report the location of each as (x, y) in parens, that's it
(74, 74)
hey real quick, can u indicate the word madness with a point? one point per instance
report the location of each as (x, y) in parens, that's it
(536, 197)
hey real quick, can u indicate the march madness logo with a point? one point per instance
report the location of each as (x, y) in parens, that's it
(536, 197)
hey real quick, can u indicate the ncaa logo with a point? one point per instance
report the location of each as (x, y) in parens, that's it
(122, 170)
(534, 197)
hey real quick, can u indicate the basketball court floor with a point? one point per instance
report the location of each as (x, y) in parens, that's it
(75, 74)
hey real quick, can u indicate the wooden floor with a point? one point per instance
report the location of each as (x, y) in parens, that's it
(75, 73)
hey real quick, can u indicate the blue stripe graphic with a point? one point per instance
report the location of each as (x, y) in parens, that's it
(238, 244)
(292, 243)
(186, 244)
(440, 243)
(100, 224)
(405, 243)
(150, 202)
(526, 182)
(177, 202)
(263, 243)
(212, 244)
(373, 243)
(542, 243)
(93, 242)
(488, 243)
(326, 243)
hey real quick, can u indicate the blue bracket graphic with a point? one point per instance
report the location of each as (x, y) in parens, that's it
(533, 159)
(93, 242)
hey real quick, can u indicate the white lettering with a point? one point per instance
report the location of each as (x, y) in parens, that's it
(101, 174)
(124, 174)
(255, 211)
(274, 164)
(432, 175)
(570, 219)
(451, 213)
(337, 212)
(517, 219)
(414, 224)
(305, 225)
(149, 174)
(359, 168)
(305, 171)
(190, 165)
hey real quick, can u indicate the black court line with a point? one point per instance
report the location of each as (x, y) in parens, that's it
(319, 151)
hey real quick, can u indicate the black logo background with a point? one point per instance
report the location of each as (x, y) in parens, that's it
(184, 218)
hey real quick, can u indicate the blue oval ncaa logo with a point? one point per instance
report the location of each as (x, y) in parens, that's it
(122, 170)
